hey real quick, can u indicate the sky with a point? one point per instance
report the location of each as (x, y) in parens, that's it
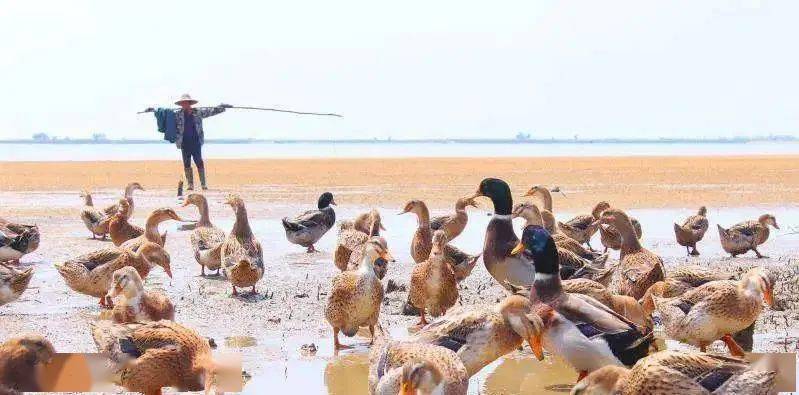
(411, 69)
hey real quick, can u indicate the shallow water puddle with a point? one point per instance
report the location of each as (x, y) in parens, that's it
(240, 341)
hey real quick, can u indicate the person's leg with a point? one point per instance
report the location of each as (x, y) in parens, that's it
(198, 161)
(186, 152)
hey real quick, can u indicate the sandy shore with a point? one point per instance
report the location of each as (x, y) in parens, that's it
(633, 182)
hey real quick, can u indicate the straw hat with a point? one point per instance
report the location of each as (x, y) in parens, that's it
(186, 97)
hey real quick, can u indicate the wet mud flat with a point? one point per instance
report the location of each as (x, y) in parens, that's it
(281, 332)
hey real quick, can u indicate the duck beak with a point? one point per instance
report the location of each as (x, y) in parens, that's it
(535, 345)
(333, 202)
(518, 249)
(381, 227)
(775, 225)
(387, 256)
(168, 271)
(407, 389)
(768, 295)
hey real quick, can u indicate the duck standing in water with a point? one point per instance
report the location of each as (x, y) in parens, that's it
(745, 236)
(500, 238)
(241, 255)
(692, 231)
(433, 287)
(206, 239)
(308, 227)
(586, 333)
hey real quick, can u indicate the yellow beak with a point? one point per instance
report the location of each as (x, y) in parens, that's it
(518, 249)
(387, 256)
(535, 345)
(407, 389)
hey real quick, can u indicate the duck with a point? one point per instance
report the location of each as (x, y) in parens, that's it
(127, 195)
(621, 304)
(92, 274)
(206, 239)
(308, 227)
(692, 231)
(585, 332)
(151, 228)
(670, 372)
(583, 227)
(422, 242)
(500, 238)
(241, 254)
(454, 224)
(678, 281)
(402, 367)
(745, 236)
(13, 282)
(433, 286)
(21, 360)
(481, 335)
(563, 241)
(571, 263)
(24, 239)
(716, 310)
(638, 267)
(356, 296)
(611, 238)
(119, 228)
(353, 235)
(147, 356)
(134, 303)
(96, 221)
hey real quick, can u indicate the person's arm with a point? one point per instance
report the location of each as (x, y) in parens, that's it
(205, 112)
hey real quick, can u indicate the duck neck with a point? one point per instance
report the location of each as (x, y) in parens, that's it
(129, 191)
(367, 266)
(503, 203)
(87, 200)
(629, 240)
(546, 196)
(151, 228)
(205, 219)
(547, 286)
(423, 215)
(242, 226)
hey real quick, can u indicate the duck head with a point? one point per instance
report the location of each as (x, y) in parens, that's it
(529, 212)
(133, 186)
(419, 378)
(758, 280)
(126, 281)
(196, 199)
(499, 192)
(235, 201)
(325, 200)
(702, 211)
(156, 255)
(376, 253)
(517, 312)
(602, 381)
(439, 242)
(414, 206)
(465, 201)
(768, 219)
(36, 348)
(165, 214)
(538, 243)
(87, 197)
(599, 208)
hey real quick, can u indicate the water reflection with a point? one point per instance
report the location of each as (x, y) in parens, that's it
(526, 375)
(348, 374)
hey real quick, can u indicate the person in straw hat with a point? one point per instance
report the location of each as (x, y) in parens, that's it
(190, 137)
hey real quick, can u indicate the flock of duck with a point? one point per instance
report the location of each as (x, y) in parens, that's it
(563, 297)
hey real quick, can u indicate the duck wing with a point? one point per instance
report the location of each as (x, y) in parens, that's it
(455, 329)
(440, 222)
(581, 222)
(98, 258)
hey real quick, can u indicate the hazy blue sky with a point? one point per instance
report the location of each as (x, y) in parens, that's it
(411, 69)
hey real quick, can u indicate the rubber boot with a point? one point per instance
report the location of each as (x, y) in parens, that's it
(189, 178)
(201, 172)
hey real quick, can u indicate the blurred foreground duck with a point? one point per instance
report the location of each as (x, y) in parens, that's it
(356, 295)
(716, 310)
(638, 267)
(404, 368)
(675, 372)
(352, 237)
(481, 335)
(92, 274)
(151, 229)
(433, 287)
(453, 224)
(20, 362)
(500, 238)
(578, 328)
(13, 282)
(149, 356)
(96, 221)
(17, 240)
(134, 303)
(745, 236)
(241, 255)
(206, 239)
(118, 226)
(692, 231)
(422, 242)
(308, 227)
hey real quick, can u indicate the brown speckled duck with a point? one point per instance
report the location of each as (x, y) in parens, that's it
(563, 241)
(17, 240)
(13, 282)
(95, 220)
(20, 362)
(148, 356)
(353, 235)
(481, 335)
(678, 281)
(453, 224)
(206, 239)
(242, 256)
(621, 304)
(134, 303)
(433, 287)
(91, 274)
(716, 310)
(151, 229)
(638, 267)
(745, 236)
(119, 228)
(692, 231)
(128, 195)
(583, 227)
(675, 372)
(356, 295)
(611, 238)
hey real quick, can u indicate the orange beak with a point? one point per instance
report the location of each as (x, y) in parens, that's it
(407, 389)
(535, 345)
(768, 295)
(518, 249)
(387, 256)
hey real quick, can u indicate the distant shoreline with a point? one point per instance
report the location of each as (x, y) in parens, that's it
(733, 140)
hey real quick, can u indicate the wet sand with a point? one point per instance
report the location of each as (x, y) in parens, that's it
(633, 182)
(271, 328)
